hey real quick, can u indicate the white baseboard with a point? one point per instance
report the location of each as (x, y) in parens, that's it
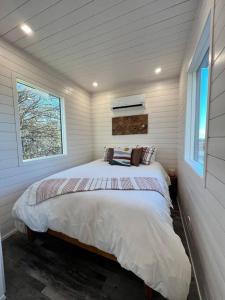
(190, 251)
(7, 235)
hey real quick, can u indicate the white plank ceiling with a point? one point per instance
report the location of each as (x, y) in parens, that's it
(110, 41)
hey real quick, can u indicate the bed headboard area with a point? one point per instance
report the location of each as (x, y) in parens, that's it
(153, 123)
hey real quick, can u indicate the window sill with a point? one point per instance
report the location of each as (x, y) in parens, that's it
(40, 159)
(196, 167)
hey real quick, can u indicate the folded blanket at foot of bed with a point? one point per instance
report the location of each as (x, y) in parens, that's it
(51, 188)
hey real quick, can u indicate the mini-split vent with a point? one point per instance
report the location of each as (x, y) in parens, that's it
(128, 106)
(129, 102)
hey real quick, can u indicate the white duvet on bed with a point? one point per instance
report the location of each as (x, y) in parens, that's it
(135, 226)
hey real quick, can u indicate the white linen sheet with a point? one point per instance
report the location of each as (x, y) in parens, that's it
(135, 226)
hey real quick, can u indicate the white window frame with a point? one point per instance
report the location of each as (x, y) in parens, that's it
(37, 85)
(203, 45)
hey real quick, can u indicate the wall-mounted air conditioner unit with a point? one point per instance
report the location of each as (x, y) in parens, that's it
(135, 101)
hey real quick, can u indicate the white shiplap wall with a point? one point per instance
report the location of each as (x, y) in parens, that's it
(206, 204)
(161, 101)
(14, 178)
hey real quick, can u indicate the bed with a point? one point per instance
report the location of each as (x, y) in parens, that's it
(135, 227)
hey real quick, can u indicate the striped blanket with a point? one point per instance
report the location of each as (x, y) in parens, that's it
(51, 188)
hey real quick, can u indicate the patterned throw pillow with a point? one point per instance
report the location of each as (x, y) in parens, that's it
(136, 156)
(148, 155)
(108, 154)
(122, 157)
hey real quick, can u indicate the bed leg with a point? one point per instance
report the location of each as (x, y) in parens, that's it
(30, 234)
(148, 292)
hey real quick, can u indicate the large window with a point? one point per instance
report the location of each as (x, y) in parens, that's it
(40, 121)
(197, 103)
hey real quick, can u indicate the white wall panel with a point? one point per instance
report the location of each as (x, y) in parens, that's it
(14, 178)
(161, 99)
(204, 199)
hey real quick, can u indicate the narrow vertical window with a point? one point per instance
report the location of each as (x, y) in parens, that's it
(201, 109)
(197, 103)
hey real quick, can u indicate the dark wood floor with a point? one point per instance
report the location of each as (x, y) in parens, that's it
(52, 269)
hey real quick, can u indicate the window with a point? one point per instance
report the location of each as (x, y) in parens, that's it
(202, 78)
(197, 103)
(40, 122)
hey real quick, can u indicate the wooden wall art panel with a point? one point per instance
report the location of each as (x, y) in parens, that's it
(137, 124)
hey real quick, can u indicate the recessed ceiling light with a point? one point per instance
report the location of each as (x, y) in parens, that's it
(158, 70)
(95, 84)
(26, 29)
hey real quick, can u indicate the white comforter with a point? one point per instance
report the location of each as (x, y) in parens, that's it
(135, 226)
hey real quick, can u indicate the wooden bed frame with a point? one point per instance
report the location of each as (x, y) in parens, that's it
(32, 235)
